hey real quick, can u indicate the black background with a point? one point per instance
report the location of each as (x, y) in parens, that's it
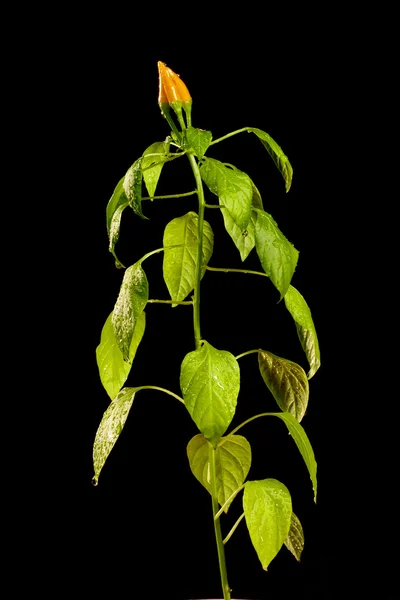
(146, 530)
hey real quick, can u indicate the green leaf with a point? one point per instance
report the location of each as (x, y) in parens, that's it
(277, 255)
(286, 381)
(295, 539)
(303, 444)
(130, 303)
(243, 240)
(277, 155)
(114, 231)
(210, 382)
(179, 264)
(267, 509)
(233, 188)
(233, 460)
(198, 140)
(115, 207)
(133, 187)
(113, 369)
(301, 314)
(152, 165)
(110, 428)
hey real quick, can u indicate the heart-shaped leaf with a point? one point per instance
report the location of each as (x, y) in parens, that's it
(233, 460)
(113, 369)
(301, 314)
(277, 255)
(179, 264)
(133, 187)
(198, 140)
(233, 188)
(110, 428)
(210, 382)
(295, 539)
(267, 509)
(153, 164)
(277, 155)
(130, 303)
(286, 381)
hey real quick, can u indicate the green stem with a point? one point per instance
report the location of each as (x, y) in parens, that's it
(228, 537)
(200, 194)
(162, 250)
(231, 497)
(169, 196)
(246, 353)
(170, 301)
(228, 135)
(217, 526)
(236, 271)
(197, 336)
(214, 206)
(155, 387)
(248, 421)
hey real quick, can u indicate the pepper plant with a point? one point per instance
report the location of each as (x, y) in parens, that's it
(210, 376)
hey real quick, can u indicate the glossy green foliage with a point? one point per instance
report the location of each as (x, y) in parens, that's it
(110, 428)
(301, 314)
(198, 141)
(244, 240)
(179, 265)
(115, 207)
(210, 381)
(154, 158)
(130, 303)
(233, 188)
(277, 255)
(277, 155)
(268, 509)
(233, 460)
(133, 187)
(295, 539)
(286, 381)
(113, 369)
(302, 442)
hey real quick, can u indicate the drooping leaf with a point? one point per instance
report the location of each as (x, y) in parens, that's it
(277, 155)
(179, 264)
(303, 444)
(295, 539)
(130, 303)
(267, 509)
(277, 255)
(198, 140)
(133, 187)
(152, 165)
(233, 188)
(301, 314)
(286, 381)
(233, 460)
(243, 240)
(210, 381)
(115, 207)
(114, 231)
(110, 428)
(113, 369)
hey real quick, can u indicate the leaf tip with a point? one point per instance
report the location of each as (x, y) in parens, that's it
(95, 481)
